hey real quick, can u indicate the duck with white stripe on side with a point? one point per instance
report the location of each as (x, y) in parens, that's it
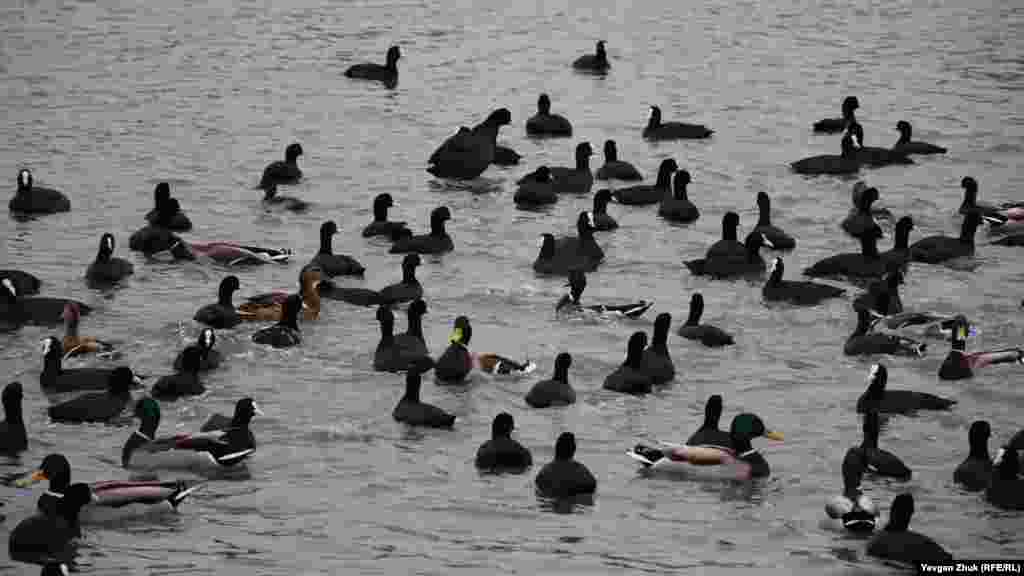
(570, 302)
(205, 453)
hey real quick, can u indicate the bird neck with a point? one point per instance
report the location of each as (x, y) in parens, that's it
(224, 297)
(415, 327)
(409, 275)
(325, 243)
(764, 214)
(380, 213)
(437, 228)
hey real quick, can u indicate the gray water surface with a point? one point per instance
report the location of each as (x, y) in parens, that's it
(104, 101)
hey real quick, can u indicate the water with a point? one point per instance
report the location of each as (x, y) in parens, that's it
(105, 102)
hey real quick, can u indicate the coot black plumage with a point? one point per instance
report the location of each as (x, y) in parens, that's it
(709, 434)
(752, 264)
(878, 398)
(46, 539)
(544, 123)
(467, 153)
(1007, 488)
(411, 410)
(678, 207)
(285, 333)
(706, 334)
(602, 220)
(555, 391)
(386, 73)
(559, 256)
(409, 288)
(630, 377)
(436, 242)
(564, 477)
(658, 130)
(501, 453)
(274, 201)
(844, 163)
(576, 180)
(798, 292)
(861, 221)
(185, 382)
(939, 248)
(834, 125)
(975, 472)
(330, 263)
(656, 359)
(381, 226)
(29, 199)
(35, 310)
(880, 461)
(778, 238)
(596, 62)
(165, 213)
(107, 268)
(24, 283)
(13, 436)
(98, 406)
(55, 379)
(873, 155)
(908, 146)
(643, 194)
(221, 314)
(864, 264)
(613, 168)
(900, 253)
(898, 542)
(536, 189)
(283, 171)
(883, 296)
(209, 357)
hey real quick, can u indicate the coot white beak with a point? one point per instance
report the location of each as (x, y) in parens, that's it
(766, 241)
(256, 410)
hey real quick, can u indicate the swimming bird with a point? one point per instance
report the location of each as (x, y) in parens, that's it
(860, 220)
(24, 283)
(184, 382)
(469, 152)
(75, 344)
(411, 342)
(13, 436)
(411, 410)
(505, 156)
(381, 226)
(501, 453)
(386, 73)
(658, 130)
(272, 200)
(235, 254)
(863, 341)
(752, 264)
(559, 256)
(330, 263)
(46, 539)
(285, 333)
(1007, 488)
(165, 213)
(268, 306)
(960, 364)
(578, 283)
(55, 379)
(866, 264)
(709, 434)
(873, 155)
(283, 171)
(853, 507)
(158, 241)
(436, 242)
(834, 125)
(97, 406)
(630, 377)
(555, 391)
(245, 410)
(939, 248)
(596, 62)
(613, 168)
(602, 220)
(728, 247)
(878, 399)
(908, 146)
(883, 296)
(29, 199)
(107, 269)
(536, 189)
(564, 476)
(845, 163)
(975, 472)
(643, 194)
(797, 292)
(209, 358)
(544, 123)
(778, 238)
(656, 359)
(859, 187)
(880, 461)
(390, 355)
(745, 461)
(407, 290)
(111, 499)
(900, 252)
(677, 207)
(456, 361)
(34, 310)
(211, 450)
(996, 216)
(221, 314)
(897, 542)
(706, 334)
(576, 180)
